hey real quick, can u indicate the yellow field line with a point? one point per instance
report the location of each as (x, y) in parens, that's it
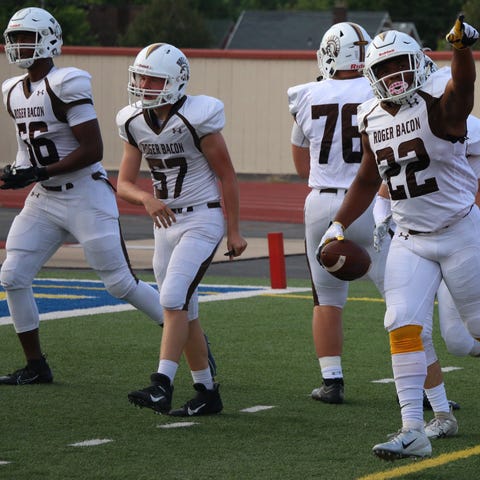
(424, 464)
(309, 297)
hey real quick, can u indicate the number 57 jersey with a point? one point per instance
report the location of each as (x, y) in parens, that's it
(180, 172)
(326, 113)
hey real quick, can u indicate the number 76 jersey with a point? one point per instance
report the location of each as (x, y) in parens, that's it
(326, 113)
(180, 172)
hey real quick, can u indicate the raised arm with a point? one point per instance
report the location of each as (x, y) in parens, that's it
(458, 99)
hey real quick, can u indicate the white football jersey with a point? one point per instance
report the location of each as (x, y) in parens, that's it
(180, 172)
(44, 114)
(430, 180)
(330, 128)
(473, 143)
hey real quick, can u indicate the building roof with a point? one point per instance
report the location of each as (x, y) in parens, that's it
(295, 30)
(408, 27)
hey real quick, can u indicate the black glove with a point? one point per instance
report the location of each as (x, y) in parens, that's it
(15, 178)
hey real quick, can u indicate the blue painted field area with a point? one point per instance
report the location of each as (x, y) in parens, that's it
(61, 296)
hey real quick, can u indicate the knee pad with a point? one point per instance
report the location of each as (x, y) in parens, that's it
(12, 277)
(119, 283)
(406, 339)
(176, 302)
(172, 300)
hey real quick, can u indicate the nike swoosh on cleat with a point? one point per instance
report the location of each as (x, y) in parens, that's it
(406, 445)
(156, 399)
(194, 411)
(21, 381)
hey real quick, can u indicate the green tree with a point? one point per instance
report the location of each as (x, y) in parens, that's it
(472, 15)
(170, 21)
(71, 15)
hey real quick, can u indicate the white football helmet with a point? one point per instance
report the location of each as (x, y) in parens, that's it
(158, 60)
(392, 44)
(343, 47)
(48, 41)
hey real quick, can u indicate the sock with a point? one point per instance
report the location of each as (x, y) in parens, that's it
(437, 396)
(409, 372)
(204, 377)
(168, 368)
(331, 367)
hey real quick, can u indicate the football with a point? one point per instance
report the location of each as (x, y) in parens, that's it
(344, 259)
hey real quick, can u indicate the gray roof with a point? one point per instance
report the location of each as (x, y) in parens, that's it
(295, 30)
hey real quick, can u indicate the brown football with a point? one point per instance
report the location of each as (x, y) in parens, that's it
(345, 259)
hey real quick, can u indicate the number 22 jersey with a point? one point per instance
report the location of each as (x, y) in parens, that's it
(430, 180)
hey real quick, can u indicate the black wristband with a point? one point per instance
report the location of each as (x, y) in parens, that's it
(42, 173)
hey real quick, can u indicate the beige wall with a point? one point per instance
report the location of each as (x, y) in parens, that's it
(252, 86)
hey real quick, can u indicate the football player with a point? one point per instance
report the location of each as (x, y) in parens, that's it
(413, 136)
(326, 149)
(180, 138)
(59, 148)
(458, 339)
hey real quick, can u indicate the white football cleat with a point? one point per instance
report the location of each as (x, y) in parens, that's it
(404, 444)
(442, 427)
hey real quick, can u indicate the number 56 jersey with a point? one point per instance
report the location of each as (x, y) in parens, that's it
(180, 172)
(45, 112)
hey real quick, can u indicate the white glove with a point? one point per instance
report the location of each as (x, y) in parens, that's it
(462, 35)
(334, 232)
(381, 229)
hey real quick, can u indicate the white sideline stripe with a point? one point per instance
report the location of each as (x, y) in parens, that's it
(4, 463)
(391, 380)
(259, 290)
(128, 245)
(91, 443)
(257, 408)
(451, 369)
(177, 425)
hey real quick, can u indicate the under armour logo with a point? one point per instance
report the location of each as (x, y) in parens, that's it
(33, 194)
(40, 92)
(177, 130)
(412, 101)
(403, 235)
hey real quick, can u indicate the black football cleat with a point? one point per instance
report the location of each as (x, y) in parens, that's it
(36, 371)
(158, 396)
(206, 402)
(330, 391)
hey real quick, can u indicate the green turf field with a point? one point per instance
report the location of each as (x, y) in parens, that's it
(265, 356)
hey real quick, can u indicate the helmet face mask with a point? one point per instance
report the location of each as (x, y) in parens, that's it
(406, 53)
(159, 60)
(343, 47)
(46, 37)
